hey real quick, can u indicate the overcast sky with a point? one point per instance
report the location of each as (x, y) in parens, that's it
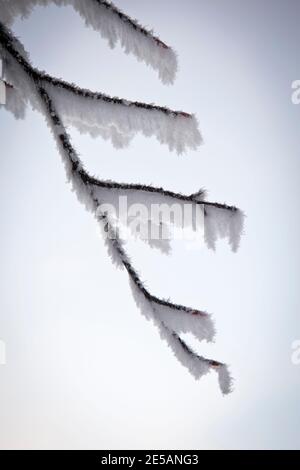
(84, 369)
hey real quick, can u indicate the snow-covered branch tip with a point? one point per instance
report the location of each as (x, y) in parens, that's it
(120, 120)
(98, 114)
(113, 25)
(61, 103)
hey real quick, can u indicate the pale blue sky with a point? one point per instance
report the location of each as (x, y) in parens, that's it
(84, 369)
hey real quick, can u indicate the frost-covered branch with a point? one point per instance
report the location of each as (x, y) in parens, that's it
(221, 220)
(100, 115)
(52, 97)
(113, 25)
(120, 120)
(171, 319)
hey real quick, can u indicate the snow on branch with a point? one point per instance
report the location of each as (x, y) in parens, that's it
(100, 115)
(120, 120)
(171, 319)
(113, 25)
(42, 92)
(198, 366)
(171, 209)
(220, 220)
(220, 223)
